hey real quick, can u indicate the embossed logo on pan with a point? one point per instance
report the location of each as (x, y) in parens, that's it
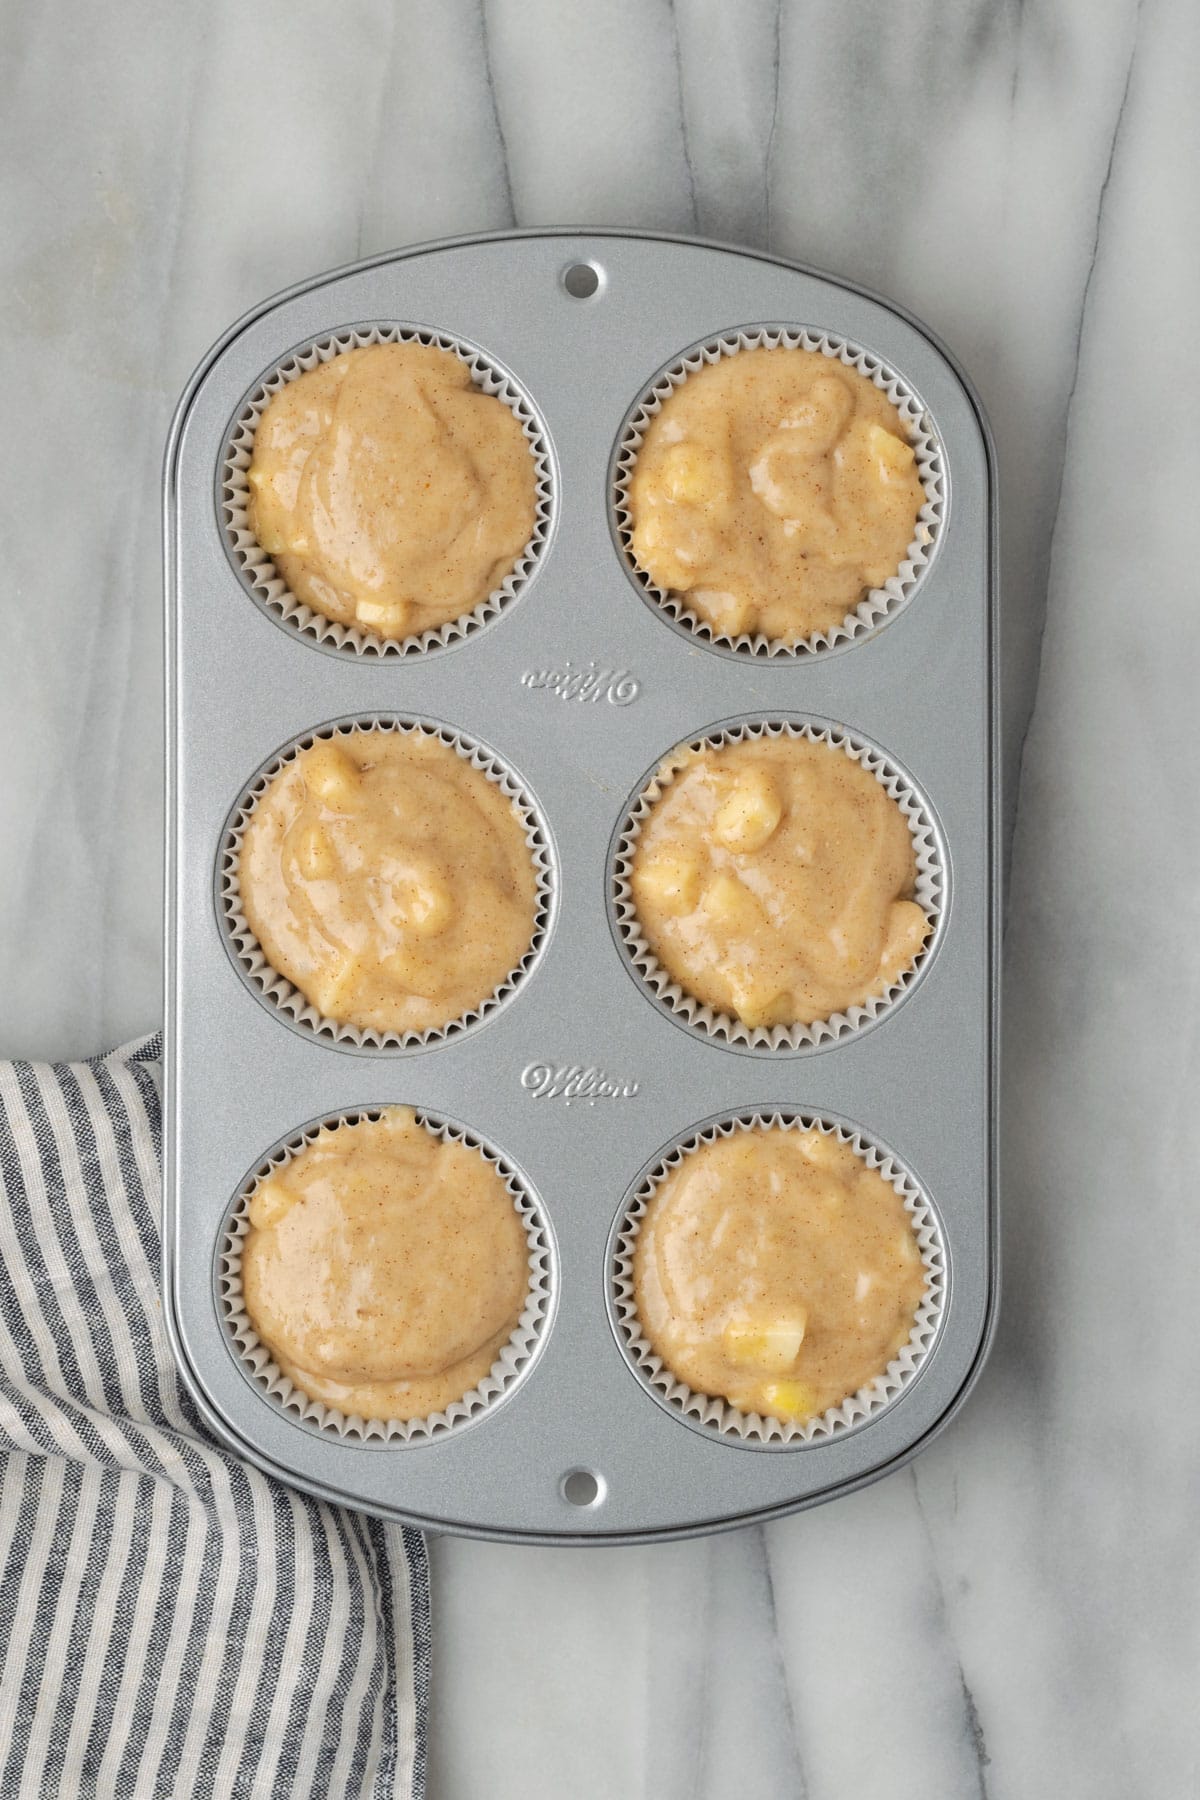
(572, 1082)
(590, 682)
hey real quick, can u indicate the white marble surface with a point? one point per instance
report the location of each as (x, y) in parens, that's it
(1017, 1614)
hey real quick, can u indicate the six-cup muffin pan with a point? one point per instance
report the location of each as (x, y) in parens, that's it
(586, 1076)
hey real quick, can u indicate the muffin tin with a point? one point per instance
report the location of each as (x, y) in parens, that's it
(575, 682)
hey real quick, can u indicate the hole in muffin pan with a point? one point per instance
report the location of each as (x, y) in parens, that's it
(728, 1033)
(276, 993)
(583, 280)
(515, 1361)
(716, 1418)
(582, 1488)
(256, 572)
(880, 606)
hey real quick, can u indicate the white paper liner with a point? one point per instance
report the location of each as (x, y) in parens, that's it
(259, 574)
(879, 605)
(275, 990)
(514, 1360)
(720, 1417)
(930, 891)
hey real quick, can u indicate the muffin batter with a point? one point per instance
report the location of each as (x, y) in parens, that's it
(385, 1268)
(389, 880)
(391, 493)
(776, 1270)
(773, 879)
(773, 490)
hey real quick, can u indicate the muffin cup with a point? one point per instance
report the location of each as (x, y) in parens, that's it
(275, 991)
(719, 1417)
(255, 568)
(724, 1028)
(511, 1365)
(879, 605)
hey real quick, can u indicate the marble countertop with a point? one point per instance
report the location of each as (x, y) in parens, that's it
(1017, 1613)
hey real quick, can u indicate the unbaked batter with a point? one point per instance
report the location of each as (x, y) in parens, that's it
(391, 493)
(774, 880)
(385, 1268)
(775, 1269)
(389, 880)
(773, 490)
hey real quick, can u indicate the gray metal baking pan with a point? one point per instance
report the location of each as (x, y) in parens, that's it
(238, 1079)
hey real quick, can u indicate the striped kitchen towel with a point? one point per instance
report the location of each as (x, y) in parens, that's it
(172, 1623)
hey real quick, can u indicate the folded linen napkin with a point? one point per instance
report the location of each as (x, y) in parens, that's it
(172, 1622)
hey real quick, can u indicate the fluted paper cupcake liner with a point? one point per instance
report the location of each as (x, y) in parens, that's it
(671, 996)
(255, 568)
(719, 1417)
(511, 1365)
(879, 605)
(281, 995)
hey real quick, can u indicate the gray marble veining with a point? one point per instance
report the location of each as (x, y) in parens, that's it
(1016, 1615)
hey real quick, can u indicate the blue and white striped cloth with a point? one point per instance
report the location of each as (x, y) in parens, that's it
(172, 1623)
